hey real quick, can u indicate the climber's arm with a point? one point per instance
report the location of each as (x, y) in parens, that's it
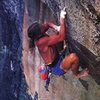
(53, 39)
(62, 17)
(61, 35)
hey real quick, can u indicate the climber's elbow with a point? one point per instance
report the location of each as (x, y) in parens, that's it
(61, 36)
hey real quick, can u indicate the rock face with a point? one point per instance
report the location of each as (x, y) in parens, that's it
(11, 19)
(83, 23)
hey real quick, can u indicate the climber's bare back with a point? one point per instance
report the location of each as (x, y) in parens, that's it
(47, 52)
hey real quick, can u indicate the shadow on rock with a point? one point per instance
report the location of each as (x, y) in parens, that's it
(87, 59)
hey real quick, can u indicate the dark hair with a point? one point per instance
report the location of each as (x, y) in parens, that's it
(31, 44)
(34, 31)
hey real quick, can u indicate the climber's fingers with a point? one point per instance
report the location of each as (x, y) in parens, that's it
(63, 13)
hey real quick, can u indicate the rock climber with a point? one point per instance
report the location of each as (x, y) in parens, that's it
(46, 45)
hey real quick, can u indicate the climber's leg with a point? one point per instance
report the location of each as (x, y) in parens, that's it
(71, 62)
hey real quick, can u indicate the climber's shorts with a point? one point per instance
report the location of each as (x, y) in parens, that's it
(55, 66)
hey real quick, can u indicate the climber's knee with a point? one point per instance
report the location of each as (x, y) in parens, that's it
(69, 59)
(74, 57)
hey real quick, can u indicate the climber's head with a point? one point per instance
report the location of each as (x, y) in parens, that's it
(37, 30)
(34, 31)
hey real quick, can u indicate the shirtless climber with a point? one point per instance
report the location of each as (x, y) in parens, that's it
(46, 46)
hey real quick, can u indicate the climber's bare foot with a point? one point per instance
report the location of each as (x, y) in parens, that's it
(83, 73)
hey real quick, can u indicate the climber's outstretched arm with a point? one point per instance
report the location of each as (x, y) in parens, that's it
(60, 28)
(53, 39)
(61, 34)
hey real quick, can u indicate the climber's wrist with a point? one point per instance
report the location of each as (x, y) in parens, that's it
(57, 28)
(51, 25)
